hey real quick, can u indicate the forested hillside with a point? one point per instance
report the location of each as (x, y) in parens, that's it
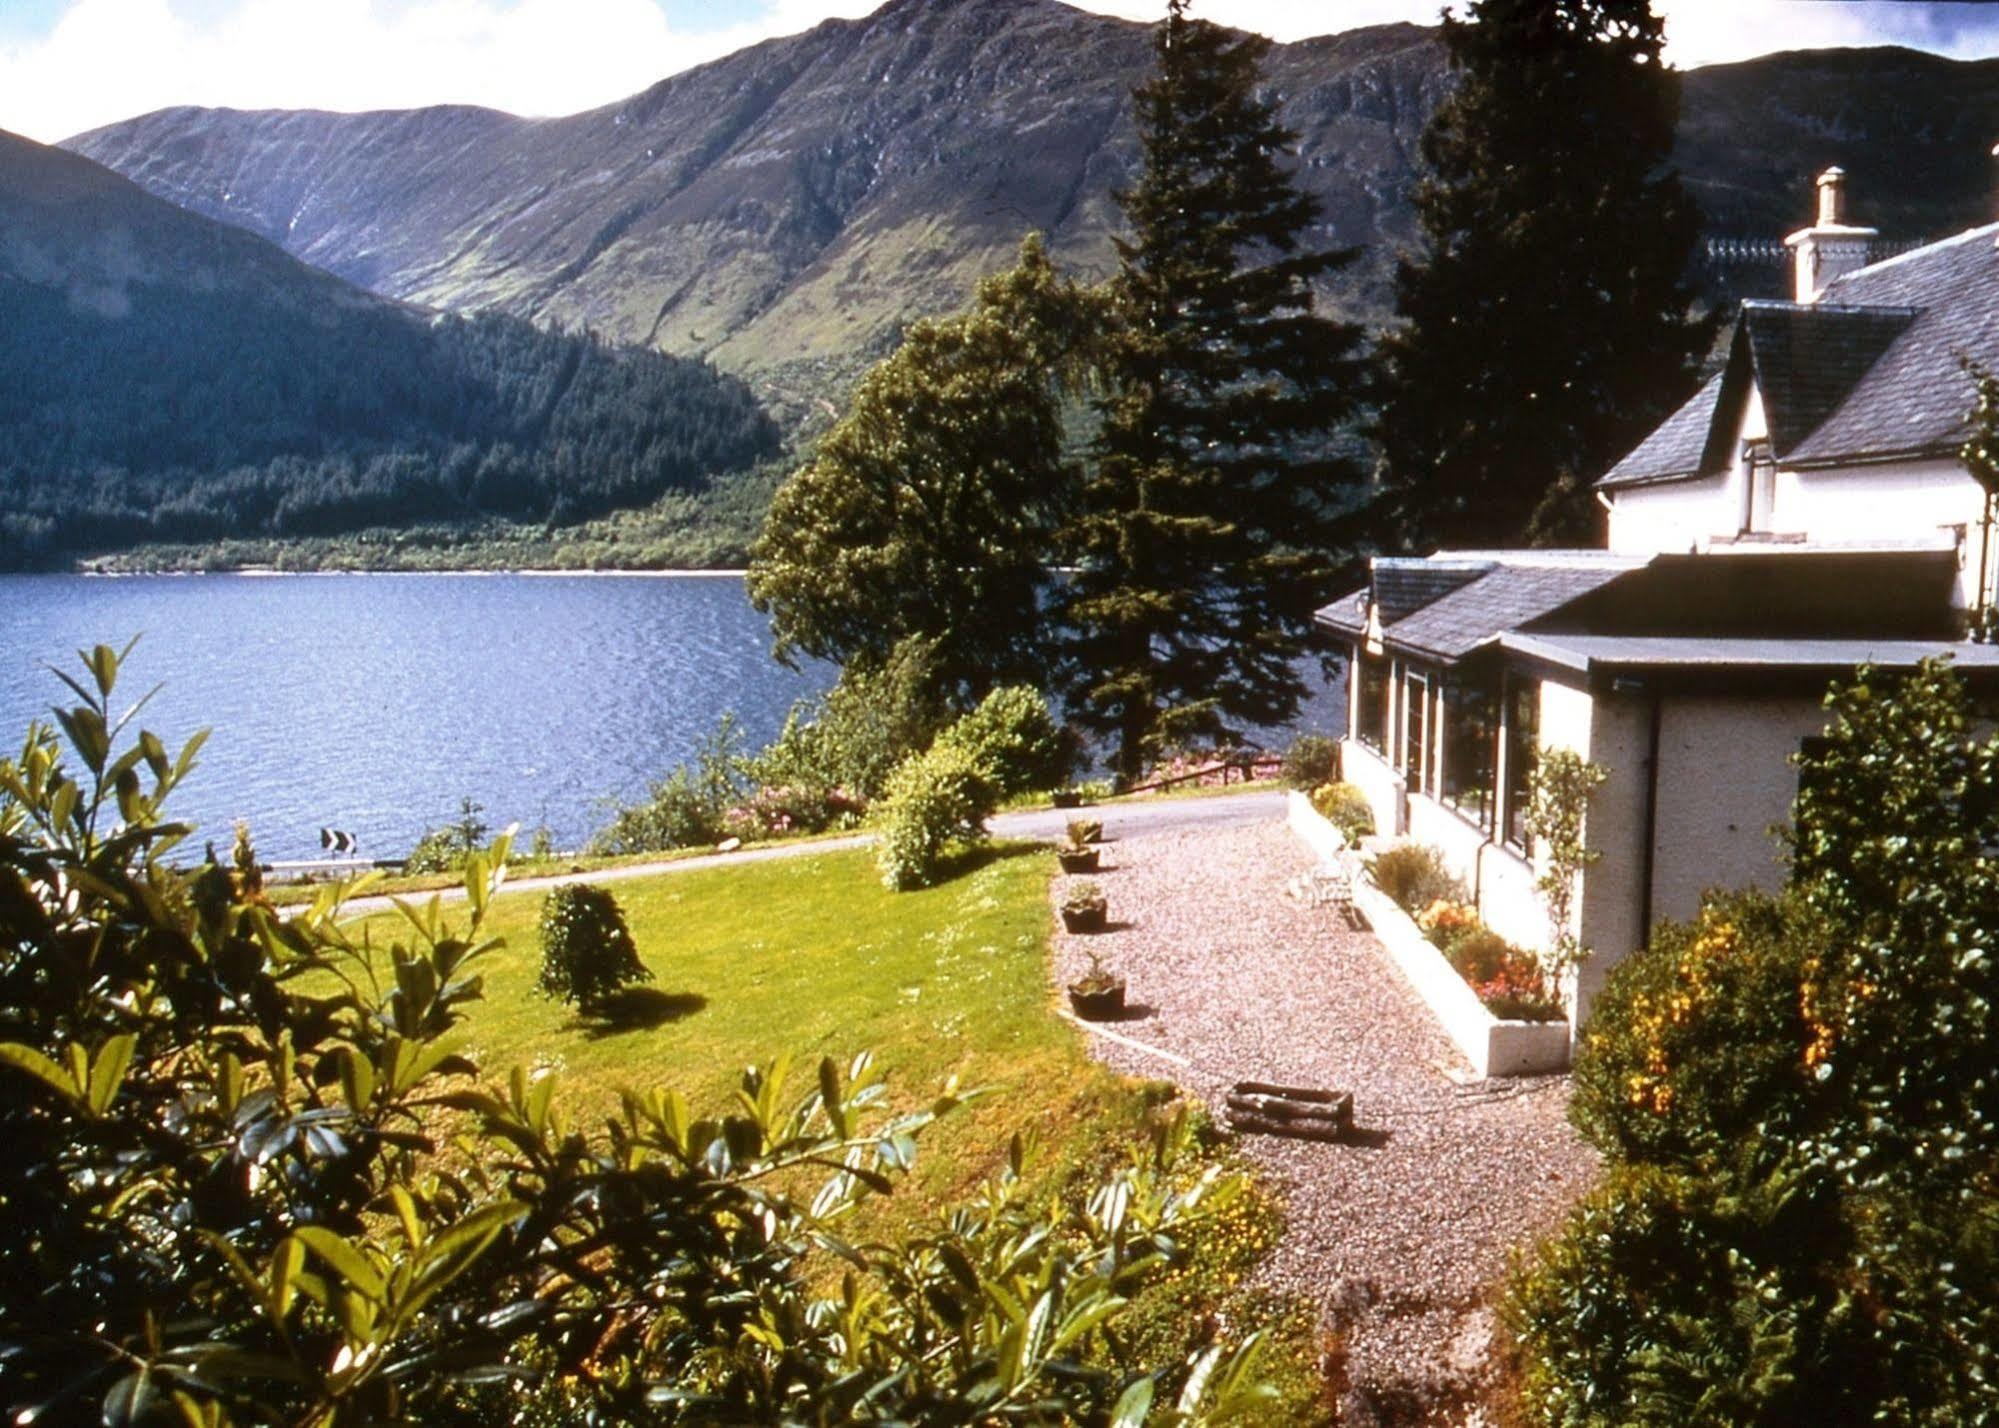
(165, 377)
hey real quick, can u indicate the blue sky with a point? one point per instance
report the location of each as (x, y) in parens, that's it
(69, 65)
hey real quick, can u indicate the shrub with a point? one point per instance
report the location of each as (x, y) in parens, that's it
(1345, 806)
(1312, 760)
(1414, 875)
(587, 951)
(247, 1181)
(435, 852)
(688, 808)
(855, 736)
(446, 849)
(1701, 1038)
(1014, 738)
(934, 800)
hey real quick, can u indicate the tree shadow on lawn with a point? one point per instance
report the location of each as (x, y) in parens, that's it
(637, 1009)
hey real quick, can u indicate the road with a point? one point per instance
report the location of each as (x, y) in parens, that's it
(1120, 820)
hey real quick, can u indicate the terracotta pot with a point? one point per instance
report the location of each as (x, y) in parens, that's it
(1085, 919)
(1083, 860)
(1106, 1005)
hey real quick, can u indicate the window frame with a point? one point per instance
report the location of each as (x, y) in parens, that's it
(1416, 705)
(1460, 699)
(1379, 667)
(1519, 692)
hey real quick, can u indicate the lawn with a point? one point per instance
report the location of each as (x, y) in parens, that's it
(813, 956)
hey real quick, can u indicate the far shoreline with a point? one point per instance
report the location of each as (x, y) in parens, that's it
(267, 572)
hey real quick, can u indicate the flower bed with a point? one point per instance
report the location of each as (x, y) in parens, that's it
(1495, 1045)
(1507, 981)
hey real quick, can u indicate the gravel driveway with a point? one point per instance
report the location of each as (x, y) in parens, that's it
(1401, 1237)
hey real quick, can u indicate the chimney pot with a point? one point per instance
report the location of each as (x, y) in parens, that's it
(1831, 247)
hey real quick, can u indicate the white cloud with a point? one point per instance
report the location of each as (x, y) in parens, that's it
(109, 59)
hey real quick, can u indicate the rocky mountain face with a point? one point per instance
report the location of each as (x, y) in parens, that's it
(785, 209)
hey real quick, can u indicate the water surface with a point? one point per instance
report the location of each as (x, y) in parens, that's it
(373, 703)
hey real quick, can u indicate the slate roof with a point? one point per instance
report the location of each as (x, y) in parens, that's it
(1484, 599)
(1677, 447)
(1404, 585)
(1916, 398)
(1871, 371)
(1808, 358)
(1504, 598)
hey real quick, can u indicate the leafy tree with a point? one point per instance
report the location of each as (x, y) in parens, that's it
(248, 1180)
(1205, 530)
(853, 738)
(1546, 326)
(928, 511)
(183, 420)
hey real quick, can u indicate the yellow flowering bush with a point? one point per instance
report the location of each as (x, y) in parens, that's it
(1700, 1038)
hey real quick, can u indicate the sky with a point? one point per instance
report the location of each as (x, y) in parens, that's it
(71, 65)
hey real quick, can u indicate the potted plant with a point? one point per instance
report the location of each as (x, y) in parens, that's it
(1077, 857)
(1084, 907)
(1086, 830)
(1097, 995)
(1066, 798)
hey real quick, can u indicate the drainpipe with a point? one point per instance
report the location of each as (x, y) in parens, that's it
(1651, 826)
(1984, 557)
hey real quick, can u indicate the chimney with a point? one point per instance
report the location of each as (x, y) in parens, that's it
(1832, 246)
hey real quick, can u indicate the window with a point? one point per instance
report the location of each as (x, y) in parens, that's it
(1523, 718)
(1759, 490)
(1371, 717)
(1415, 728)
(1471, 747)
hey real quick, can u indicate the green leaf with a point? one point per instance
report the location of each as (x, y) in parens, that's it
(108, 1072)
(1133, 1404)
(26, 1058)
(343, 1259)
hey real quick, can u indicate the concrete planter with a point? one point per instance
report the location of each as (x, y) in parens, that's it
(1494, 1047)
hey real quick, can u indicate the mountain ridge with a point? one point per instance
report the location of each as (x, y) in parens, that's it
(786, 209)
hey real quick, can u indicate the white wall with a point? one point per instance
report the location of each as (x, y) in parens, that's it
(1369, 772)
(1911, 500)
(1675, 517)
(1725, 780)
(1610, 920)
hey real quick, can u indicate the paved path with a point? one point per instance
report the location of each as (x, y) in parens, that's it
(1120, 820)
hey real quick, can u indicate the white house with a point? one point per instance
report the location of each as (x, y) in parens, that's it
(1803, 514)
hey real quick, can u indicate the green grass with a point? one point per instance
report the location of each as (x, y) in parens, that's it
(812, 956)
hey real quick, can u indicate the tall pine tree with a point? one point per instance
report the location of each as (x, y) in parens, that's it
(1547, 327)
(1204, 539)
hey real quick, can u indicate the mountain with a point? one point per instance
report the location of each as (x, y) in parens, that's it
(165, 376)
(785, 209)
